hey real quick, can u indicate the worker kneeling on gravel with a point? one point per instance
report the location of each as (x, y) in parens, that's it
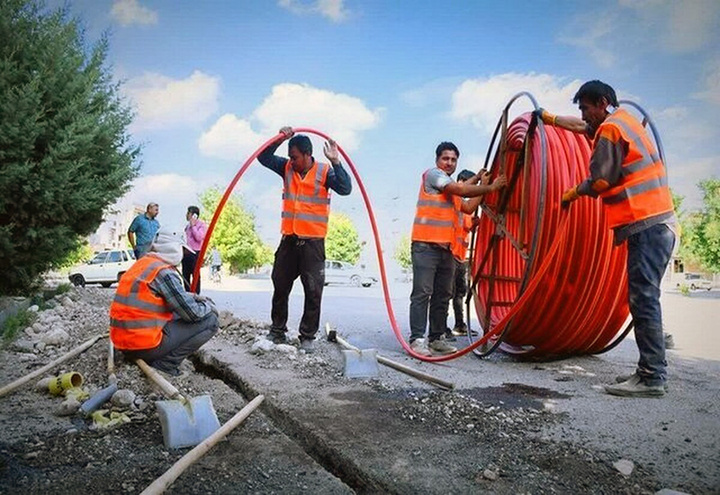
(153, 317)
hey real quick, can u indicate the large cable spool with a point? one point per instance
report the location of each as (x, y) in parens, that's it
(547, 281)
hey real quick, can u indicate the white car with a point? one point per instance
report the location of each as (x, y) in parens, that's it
(695, 281)
(340, 272)
(105, 268)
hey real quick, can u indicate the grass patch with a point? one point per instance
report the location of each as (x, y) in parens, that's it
(63, 288)
(15, 323)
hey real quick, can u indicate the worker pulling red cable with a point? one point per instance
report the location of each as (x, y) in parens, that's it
(547, 280)
(573, 304)
(373, 223)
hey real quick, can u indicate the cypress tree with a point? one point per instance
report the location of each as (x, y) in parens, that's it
(65, 153)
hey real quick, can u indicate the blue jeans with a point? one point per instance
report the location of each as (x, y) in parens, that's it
(433, 278)
(648, 255)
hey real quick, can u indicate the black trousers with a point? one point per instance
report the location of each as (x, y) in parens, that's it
(460, 288)
(304, 258)
(188, 267)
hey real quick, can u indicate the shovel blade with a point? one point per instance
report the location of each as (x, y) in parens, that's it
(187, 424)
(360, 364)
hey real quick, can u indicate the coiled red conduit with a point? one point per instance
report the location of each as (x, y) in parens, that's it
(560, 311)
(576, 301)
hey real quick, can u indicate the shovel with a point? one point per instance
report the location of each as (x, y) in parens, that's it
(185, 422)
(357, 363)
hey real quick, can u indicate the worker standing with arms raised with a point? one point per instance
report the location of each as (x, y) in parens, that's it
(627, 173)
(434, 231)
(305, 213)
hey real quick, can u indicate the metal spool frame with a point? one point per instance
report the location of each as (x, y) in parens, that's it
(497, 213)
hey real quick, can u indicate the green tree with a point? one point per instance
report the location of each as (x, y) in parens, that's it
(701, 230)
(235, 235)
(80, 254)
(65, 154)
(342, 242)
(677, 203)
(402, 253)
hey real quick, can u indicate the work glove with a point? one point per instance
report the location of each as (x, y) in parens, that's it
(547, 117)
(569, 196)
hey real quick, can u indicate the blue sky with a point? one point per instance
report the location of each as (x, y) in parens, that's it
(210, 81)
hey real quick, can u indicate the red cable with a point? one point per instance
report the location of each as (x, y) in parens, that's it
(539, 307)
(576, 302)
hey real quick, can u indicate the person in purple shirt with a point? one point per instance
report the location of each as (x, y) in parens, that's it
(195, 232)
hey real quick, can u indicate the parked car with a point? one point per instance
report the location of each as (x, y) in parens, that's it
(695, 281)
(340, 272)
(105, 268)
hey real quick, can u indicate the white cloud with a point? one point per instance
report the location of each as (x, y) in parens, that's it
(172, 192)
(592, 40)
(711, 89)
(128, 12)
(161, 101)
(342, 117)
(334, 10)
(230, 138)
(339, 115)
(481, 101)
(685, 26)
(684, 174)
(636, 27)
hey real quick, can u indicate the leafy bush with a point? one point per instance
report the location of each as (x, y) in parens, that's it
(403, 254)
(235, 235)
(15, 323)
(342, 242)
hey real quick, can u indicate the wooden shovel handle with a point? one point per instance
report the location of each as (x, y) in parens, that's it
(21, 381)
(111, 358)
(167, 388)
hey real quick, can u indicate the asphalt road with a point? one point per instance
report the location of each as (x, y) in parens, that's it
(359, 313)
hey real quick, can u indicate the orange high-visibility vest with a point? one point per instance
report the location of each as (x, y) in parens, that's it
(306, 202)
(642, 191)
(137, 315)
(460, 246)
(436, 216)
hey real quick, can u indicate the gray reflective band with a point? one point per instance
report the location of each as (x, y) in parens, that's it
(434, 223)
(649, 157)
(306, 199)
(134, 302)
(436, 204)
(648, 185)
(305, 216)
(135, 324)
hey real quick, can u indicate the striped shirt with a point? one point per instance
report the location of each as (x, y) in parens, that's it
(167, 284)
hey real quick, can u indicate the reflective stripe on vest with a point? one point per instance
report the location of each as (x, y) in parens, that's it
(134, 324)
(435, 216)
(137, 315)
(306, 202)
(642, 191)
